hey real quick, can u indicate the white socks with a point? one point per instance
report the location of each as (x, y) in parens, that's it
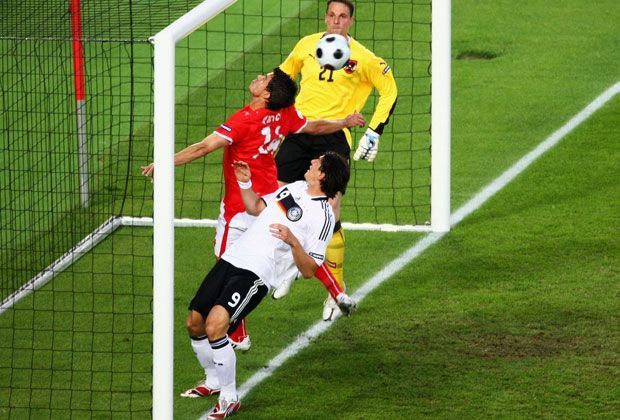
(226, 366)
(204, 354)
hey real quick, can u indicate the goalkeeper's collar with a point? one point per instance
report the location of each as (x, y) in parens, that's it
(349, 37)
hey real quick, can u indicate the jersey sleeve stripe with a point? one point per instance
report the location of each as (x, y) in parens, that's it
(381, 125)
(302, 127)
(230, 140)
(326, 224)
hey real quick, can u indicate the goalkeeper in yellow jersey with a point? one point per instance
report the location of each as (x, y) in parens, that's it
(331, 94)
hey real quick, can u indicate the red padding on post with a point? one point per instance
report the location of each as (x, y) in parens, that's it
(78, 50)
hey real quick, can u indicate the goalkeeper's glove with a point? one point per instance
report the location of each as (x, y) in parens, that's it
(368, 146)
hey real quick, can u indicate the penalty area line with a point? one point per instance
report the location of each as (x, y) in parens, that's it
(305, 338)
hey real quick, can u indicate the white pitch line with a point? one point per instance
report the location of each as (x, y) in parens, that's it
(510, 174)
(305, 338)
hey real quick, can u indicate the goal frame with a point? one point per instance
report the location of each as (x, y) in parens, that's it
(441, 77)
(164, 44)
(163, 190)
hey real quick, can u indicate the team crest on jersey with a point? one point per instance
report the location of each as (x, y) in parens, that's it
(288, 205)
(294, 214)
(350, 67)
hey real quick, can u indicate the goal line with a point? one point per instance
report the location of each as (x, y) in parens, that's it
(210, 223)
(113, 223)
(61, 264)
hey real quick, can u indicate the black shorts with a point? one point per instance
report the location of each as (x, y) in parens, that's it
(236, 289)
(297, 150)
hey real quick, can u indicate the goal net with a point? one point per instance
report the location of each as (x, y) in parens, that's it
(76, 236)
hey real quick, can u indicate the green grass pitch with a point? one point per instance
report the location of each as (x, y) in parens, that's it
(513, 314)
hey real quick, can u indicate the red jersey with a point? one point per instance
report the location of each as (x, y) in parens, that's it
(253, 135)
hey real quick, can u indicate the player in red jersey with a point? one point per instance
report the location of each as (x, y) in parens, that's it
(251, 135)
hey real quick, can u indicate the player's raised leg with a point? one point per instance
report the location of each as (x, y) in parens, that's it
(342, 301)
(239, 337)
(334, 259)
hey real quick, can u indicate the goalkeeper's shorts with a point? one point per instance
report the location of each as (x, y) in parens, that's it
(297, 151)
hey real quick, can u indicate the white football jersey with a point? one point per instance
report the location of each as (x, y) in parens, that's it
(309, 218)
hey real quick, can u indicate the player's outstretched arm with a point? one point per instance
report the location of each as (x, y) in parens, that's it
(197, 150)
(254, 205)
(382, 78)
(331, 126)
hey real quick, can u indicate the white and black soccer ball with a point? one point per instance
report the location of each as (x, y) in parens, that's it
(333, 51)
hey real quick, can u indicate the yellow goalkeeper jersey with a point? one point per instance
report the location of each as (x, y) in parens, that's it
(328, 94)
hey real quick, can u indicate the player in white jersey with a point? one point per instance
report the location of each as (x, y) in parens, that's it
(272, 260)
(289, 235)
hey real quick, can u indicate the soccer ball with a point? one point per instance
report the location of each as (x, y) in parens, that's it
(333, 51)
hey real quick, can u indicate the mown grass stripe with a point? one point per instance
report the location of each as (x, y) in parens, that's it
(305, 338)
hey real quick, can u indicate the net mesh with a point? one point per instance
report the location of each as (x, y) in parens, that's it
(75, 319)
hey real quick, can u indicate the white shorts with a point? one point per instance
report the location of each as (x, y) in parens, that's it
(226, 235)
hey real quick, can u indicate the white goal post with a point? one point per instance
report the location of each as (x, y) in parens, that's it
(164, 133)
(441, 57)
(163, 197)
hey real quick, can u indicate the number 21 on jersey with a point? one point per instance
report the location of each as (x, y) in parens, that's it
(322, 74)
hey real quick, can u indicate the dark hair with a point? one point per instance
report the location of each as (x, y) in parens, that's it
(337, 173)
(282, 90)
(347, 3)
